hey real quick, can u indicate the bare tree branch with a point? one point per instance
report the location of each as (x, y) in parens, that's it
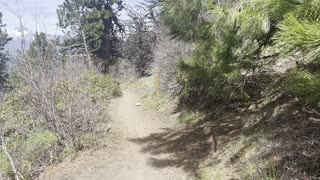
(6, 152)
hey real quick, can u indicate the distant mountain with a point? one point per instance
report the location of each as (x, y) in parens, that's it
(16, 35)
(15, 44)
(17, 32)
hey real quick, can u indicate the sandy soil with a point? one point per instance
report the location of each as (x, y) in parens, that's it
(127, 157)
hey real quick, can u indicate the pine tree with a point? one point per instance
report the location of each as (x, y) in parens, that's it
(231, 39)
(41, 48)
(300, 34)
(184, 17)
(4, 39)
(92, 23)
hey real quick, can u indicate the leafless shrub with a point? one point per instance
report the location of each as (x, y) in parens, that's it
(166, 54)
(123, 70)
(57, 105)
(55, 98)
(149, 47)
(139, 44)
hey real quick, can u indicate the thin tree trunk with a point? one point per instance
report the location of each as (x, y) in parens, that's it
(23, 40)
(1, 174)
(86, 49)
(5, 150)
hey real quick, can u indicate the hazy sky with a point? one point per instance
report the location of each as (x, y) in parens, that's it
(45, 10)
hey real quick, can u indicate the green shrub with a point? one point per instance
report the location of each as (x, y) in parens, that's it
(304, 85)
(100, 86)
(299, 34)
(206, 82)
(230, 46)
(37, 150)
(4, 164)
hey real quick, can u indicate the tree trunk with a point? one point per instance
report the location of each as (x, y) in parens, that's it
(106, 42)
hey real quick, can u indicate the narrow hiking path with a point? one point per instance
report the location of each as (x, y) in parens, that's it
(126, 158)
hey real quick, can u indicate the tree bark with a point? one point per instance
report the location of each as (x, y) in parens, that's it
(106, 44)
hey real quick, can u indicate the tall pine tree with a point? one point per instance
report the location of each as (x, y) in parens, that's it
(93, 25)
(4, 39)
(232, 39)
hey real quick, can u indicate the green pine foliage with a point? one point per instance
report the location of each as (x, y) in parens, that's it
(305, 85)
(300, 34)
(4, 39)
(41, 47)
(234, 39)
(184, 25)
(93, 21)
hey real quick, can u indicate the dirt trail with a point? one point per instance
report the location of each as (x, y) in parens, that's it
(124, 159)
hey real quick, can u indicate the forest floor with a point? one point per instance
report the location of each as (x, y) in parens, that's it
(141, 148)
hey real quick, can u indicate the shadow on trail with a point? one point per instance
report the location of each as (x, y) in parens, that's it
(187, 148)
